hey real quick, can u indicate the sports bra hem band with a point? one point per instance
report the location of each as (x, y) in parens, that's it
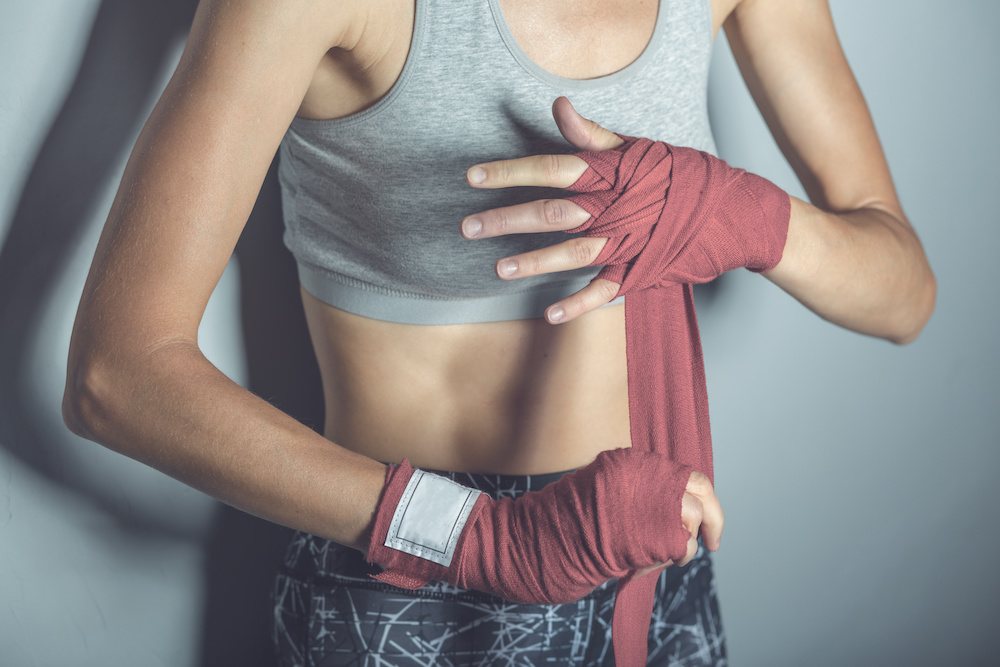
(379, 304)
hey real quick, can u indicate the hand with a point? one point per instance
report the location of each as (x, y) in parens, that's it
(624, 511)
(702, 511)
(653, 214)
(546, 215)
(612, 516)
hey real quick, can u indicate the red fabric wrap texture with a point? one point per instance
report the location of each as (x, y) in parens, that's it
(677, 215)
(673, 217)
(618, 513)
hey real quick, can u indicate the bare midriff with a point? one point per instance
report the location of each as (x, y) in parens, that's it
(514, 397)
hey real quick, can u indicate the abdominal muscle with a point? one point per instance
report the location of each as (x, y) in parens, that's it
(516, 397)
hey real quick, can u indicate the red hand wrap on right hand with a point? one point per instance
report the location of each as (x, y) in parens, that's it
(619, 513)
(677, 215)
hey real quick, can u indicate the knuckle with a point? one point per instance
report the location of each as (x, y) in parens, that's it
(573, 306)
(533, 263)
(503, 171)
(529, 264)
(551, 167)
(698, 509)
(553, 212)
(699, 479)
(502, 221)
(607, 290)
(692, 508)
(581, 250)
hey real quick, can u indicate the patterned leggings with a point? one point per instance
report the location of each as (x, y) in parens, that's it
(327, 611)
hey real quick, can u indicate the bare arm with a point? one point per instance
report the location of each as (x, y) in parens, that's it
(137, 380)
(853, 257)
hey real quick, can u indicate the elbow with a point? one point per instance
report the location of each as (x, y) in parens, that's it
(85, 400)
(919, 313)
(71, 415)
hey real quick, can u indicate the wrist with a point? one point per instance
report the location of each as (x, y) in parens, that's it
(367, 506)
(757, 212)
(419, 522)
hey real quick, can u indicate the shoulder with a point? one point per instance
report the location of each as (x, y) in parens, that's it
(330, 23)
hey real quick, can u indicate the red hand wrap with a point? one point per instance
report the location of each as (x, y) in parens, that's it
(674, 216)
(619, 513)
(677, 215)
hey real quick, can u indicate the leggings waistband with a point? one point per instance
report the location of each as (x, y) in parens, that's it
(501, 484)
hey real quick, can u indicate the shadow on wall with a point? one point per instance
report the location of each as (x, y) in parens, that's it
(124, 55)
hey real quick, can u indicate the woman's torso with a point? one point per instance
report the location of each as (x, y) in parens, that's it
(517, 396)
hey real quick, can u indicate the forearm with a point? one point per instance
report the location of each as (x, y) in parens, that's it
(864, 270)
(178, 413)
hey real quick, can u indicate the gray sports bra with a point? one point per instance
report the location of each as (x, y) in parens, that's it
(372, 201)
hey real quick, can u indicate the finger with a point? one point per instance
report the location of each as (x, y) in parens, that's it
(541, 215)
(581, 131)
(553, 170)
(573, 253)
(712, 525)
(714, 518)
(597, 293)
(692, 512)
(692, 550)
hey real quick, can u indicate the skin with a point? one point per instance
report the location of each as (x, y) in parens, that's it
(508, 396)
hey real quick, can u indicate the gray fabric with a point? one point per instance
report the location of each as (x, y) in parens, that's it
(372, 201)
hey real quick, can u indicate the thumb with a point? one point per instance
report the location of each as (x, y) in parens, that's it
(582, 132)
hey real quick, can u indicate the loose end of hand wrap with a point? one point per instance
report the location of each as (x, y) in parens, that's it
(399, 579)
(673, 217)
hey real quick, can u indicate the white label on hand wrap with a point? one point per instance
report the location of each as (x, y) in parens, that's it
(430, 517)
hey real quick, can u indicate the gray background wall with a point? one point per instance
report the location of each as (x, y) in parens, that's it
(857, 476)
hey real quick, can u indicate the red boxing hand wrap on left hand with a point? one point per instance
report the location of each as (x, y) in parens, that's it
(675, 214)
(619, 513)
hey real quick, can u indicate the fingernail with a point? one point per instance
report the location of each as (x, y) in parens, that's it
(556, 314)
(507, 267)
(473, 227)
(477, 174)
